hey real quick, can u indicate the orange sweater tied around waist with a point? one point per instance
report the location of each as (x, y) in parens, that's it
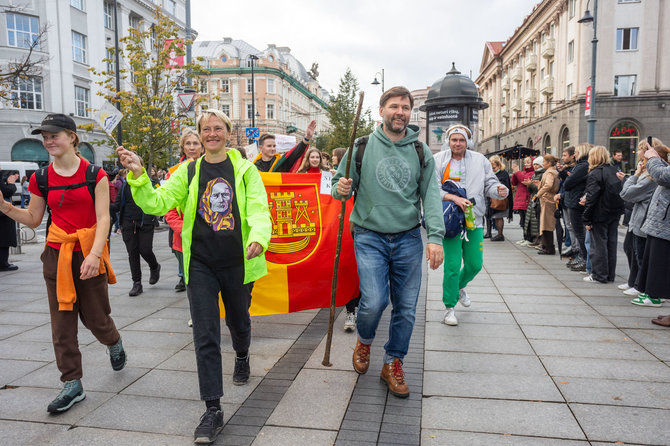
(66, 293)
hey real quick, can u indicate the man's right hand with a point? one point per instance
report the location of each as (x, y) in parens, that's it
(460, 201)
(344, 186)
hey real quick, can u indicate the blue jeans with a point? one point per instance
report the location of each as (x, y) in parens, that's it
(587, 243)
(388, 265)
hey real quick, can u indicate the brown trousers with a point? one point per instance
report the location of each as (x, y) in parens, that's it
(91, 306)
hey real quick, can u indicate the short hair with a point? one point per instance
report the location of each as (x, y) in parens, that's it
(263, 137)
(205, 114)
(570, 150)
(583, 149)
(495, 159)
(615, 151)
(528, 159)
(551, 159)
(598, 156)
(396, 92)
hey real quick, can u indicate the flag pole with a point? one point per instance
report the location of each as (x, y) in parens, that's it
(333, 287)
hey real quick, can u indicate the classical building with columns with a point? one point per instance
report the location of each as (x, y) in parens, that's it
(535, 82)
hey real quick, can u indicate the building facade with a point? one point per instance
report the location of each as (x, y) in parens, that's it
(418, 117)
(287, 96)
(536, 81)
(78, 34)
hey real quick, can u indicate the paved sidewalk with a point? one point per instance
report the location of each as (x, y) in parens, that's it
(540, 357)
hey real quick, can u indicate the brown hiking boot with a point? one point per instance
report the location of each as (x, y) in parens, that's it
(361, 358)
(394, 378)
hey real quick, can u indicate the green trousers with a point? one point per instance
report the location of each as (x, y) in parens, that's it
(462, 261)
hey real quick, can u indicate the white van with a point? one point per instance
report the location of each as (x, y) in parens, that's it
(24, 168)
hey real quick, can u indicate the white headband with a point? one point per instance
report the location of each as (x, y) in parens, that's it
(461, 131)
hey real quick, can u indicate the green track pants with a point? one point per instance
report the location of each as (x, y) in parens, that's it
(462, 261)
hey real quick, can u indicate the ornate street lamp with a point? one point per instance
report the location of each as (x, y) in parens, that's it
(376, 82)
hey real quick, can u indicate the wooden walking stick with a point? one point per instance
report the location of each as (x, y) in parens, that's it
(333, 287)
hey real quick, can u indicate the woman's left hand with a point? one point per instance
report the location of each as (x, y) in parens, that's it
(502, 191)
(254, 250)
(90, 267)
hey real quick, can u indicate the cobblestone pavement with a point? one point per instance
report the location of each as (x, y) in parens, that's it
(541, 357)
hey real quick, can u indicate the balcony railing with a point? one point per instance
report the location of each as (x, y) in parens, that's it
(504, 83)
(547, 86)
(531, 62)
(548, 46)
(517, 74)
(531, 96)
(516, 104)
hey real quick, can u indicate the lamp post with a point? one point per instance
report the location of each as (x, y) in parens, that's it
(376, 82)
(253, 59)
(591, 130)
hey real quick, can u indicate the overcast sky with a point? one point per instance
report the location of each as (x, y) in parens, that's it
(413, 41)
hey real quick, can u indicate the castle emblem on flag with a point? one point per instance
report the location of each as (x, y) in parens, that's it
(296, 226)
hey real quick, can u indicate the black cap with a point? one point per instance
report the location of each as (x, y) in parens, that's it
(56, 122)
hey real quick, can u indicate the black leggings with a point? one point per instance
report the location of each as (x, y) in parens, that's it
(139, 242)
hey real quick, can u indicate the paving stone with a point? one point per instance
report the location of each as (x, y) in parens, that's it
(282, 436)
(161, 325)
(358, 436)
(96, 354)
(438, 329)
(584, 349)
(478, 344)
(393, 438)
(433, 437)
(317, 399)
(11, 369)
(648, 336)
(28, 351)
(480, 385)
(497, 416)
(622, 369)
(554, 308)
(623, 424)
(563, 320)
(23, 433)
(661, 351)
(615, 392)
(637, 321)
(22, 318)
(567, 298)
(270, 330)
(574, 333)
(85, 436)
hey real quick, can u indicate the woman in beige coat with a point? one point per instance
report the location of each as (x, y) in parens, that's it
(548, 188)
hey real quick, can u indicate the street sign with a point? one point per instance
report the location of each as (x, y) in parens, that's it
(186, 99)
(252, 132)
(587, 102)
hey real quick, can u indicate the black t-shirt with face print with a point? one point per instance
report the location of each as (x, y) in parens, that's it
(217, 236)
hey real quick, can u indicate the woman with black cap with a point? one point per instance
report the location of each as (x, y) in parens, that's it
(76, 257)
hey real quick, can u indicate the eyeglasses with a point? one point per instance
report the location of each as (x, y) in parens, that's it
(213, 130)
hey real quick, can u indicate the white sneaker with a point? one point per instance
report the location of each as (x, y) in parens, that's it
(463, 297)
(350, 321)
(631, 292)
(623, 286)
(590, 278)
(521, 242)
(450, 317)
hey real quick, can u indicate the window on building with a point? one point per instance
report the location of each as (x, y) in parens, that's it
(22, 31)
(108, 13)
(271, 86)
(565, 138)
(225, 86)
(624, 85)
(571, 8)
(202, 86)
(571, 51)
(81, 101)
(250, 111)
(625, 137)
(170, 6)
(270, 111)
(135, 21)
(226, 109)
(415, 113)
(626, 39)
(568, 92)
(249, 85)
(111, 60)
(79, 47)
(27, 93)
(79, 4)
(250, 62)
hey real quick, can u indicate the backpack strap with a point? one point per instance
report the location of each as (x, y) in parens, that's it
(422, 161)
(360, 151)
(191, 172)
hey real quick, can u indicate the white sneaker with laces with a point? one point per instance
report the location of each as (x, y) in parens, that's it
(590, 278)
(349, 321)
(623, 286)
(450, 317)
(463, 298)
(631, 292)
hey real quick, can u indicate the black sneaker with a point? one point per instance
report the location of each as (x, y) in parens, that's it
(180, 286)
(241, 373)
(136, 290)
(211, 424)
(154, 274)
(72, 393)
(117, 356)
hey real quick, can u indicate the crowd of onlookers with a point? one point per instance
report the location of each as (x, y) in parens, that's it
(581, 198)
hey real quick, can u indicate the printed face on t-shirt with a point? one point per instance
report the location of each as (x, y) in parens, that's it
(215, 205)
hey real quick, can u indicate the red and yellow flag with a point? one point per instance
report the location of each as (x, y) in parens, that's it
(301, 253)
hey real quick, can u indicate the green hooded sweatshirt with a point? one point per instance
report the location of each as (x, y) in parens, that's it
(388, 189)
(252, 202)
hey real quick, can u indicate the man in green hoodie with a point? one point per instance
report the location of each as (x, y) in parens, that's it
(391, 188)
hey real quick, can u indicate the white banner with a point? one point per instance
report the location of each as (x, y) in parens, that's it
(285, 142)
